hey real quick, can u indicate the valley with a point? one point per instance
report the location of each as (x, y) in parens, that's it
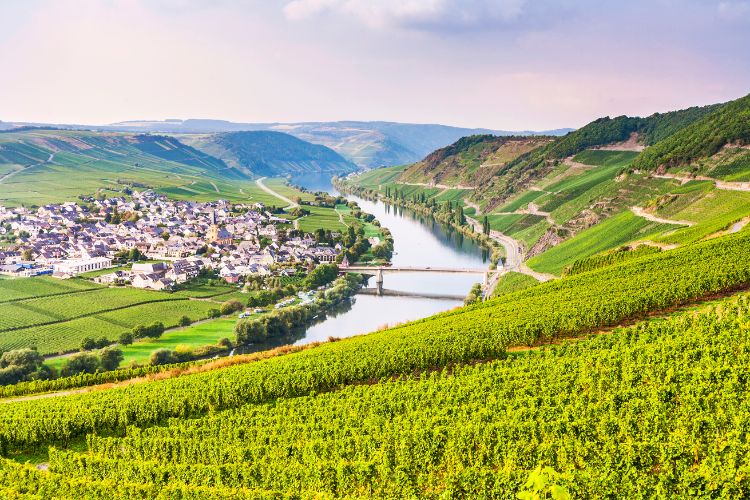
(620, 287)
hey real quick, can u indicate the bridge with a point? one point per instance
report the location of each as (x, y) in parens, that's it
(385, 292)
(378, 272)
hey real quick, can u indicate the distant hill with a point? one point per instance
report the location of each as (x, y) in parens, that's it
(39, 166)
(367, 144)
(470, 161)
(646, 131)
(270, 154)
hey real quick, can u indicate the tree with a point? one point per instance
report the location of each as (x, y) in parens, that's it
(27, 254)
(185, 321)
(162, 357)
(321, 275)
(126, 338)
(134, 254)
(460, 219)
(88, 344)
(22, 364)
(110, 358)
(27, 359)
(83, 362)
(153, 330)
(231, 306)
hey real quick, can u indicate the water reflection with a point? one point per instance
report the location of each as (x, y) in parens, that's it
(419, 240)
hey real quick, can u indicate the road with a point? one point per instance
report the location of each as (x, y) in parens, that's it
(439, 186)
(640, 212)
(724, 185)
(514, 254)
(14, 172)
(270, 191)
(341, 218)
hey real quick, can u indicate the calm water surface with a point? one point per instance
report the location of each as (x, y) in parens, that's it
(418, 241)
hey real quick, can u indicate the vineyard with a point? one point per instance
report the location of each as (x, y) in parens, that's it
(59, 321)
(592, 300)
(19, 289)
(650, 410)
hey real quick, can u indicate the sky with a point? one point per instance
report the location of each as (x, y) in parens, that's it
(500, 64)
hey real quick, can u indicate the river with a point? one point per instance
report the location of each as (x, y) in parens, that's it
(418, 241)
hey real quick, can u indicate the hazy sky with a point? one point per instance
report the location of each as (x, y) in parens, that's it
(505, 64)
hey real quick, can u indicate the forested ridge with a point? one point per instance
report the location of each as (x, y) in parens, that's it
(730, 124)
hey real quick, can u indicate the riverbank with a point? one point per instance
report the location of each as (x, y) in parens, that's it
(498, 249)
(504, 248)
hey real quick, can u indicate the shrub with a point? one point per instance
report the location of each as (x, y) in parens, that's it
(110, 358)
(83, 362)
(126, 338)
(231, 306)
(162, 357)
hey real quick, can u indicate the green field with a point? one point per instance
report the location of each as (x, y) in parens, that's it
(202, 334)
(12, 289)
(374, 178)
(733, 166)
(611, 233)
(202, 291)
(83, 162)
(710, 208)
(56, 315)
(606, 158)
(322, 217)
(520, 201)
(513, 282)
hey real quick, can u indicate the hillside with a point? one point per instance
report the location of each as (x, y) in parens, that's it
(271, 154)
(593, 190)
(728, 125)
(491, 398)
(39, 166)
(367, 144)
(470, 161)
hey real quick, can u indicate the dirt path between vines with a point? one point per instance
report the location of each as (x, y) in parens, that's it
(640, 212)
(444, 187)
(724, 185)
(14, 172)
(696, 305)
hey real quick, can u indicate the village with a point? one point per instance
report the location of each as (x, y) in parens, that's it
(169, 242)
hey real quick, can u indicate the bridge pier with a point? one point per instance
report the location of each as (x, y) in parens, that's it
(379, 281)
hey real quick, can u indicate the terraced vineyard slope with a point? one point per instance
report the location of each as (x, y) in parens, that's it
(664, 180)
(623, 412)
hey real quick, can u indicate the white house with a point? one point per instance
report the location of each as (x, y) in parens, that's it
(75, 267)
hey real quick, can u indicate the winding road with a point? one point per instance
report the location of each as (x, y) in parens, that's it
(514, 255)
(270, 191)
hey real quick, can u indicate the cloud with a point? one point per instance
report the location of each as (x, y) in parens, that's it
(734, 11)
(424, 15)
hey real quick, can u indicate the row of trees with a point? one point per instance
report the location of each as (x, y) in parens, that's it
(282, 321)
